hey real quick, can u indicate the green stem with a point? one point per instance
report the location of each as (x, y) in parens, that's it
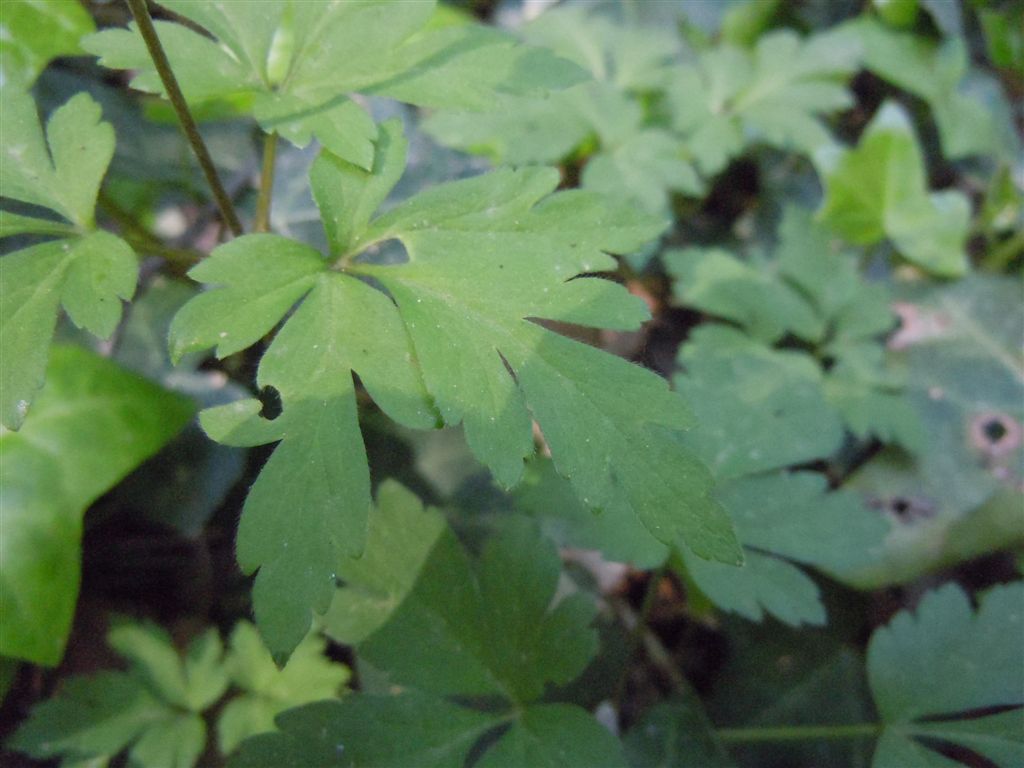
(262, 222)
(1001, 256)
(188, 123)
(141, 239)
(637, 633)
(798, 733)
(177, 256)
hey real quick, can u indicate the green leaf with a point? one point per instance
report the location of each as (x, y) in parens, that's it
(757, 409)
(778, 680)
(631, 57)
(87, 275)
(153, 710)
(393, 731)
(481, 357)
(341, 326)
(484, 362)
(38, 31)
(718, 283)
(781, 519)
(774, 94)
(676, 734)
(91, 716)
(92, 424)
(493, 628)
(401, 536)
(62, 171)
(550, 498)
(879, 189)
(634, 161)
(296, 65)
(810, 290)
(555, 735)
(946, 660)
(935, 73)
(959, 497)
(192, 685)
(267, 690)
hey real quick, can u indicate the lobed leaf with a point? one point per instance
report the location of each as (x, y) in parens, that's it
(296, 65)
(87, 272)
(487, 255)
(493, 628)
(880, 189)
(38, 31)
(978, 654)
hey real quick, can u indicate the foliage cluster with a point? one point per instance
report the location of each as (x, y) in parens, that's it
(460, 331)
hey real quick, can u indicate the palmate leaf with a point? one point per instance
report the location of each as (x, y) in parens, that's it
(880, 190)
(810, 290)
(485, 255)
(152, 710)
(932, 672)
(87, 272)
(936, 73)
(296, 63)
(266, 689)
(37, 31)
(634, 158)
(495, 630)
(783, 519)
(775, 94)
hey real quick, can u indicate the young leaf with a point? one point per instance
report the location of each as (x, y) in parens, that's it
(297, 64)
(774, 95)
(880, 189)
(152, 710)
(37, 31)
(636, 160)
(718, 283)
(88, 274)
(816, 294)
(192, 684)
(268, 690)
(936, 73)
(945, 660)
(92, 424)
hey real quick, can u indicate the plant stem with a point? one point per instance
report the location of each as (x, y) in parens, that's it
(262, 222)
(177, 256)
(639, 628)
(798, 733)
(188, 123)
(142, 239)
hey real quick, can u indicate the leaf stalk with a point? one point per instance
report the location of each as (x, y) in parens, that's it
(188, 124)
(262, 221)
(799, 733)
